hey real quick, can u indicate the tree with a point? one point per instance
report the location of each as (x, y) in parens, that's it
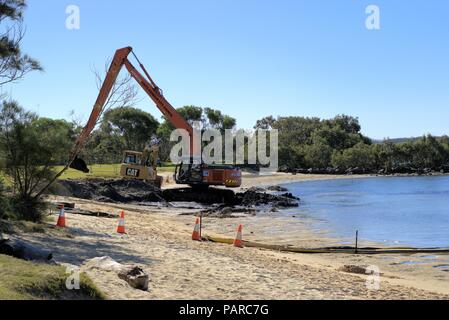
(359, 156)
(346, 123)
(14, 65)
(103, 148)
(123, 92)
(208, 118)
(28, 151)
(228, 123)
(219, 121)
(311, 141)
(427, 153)
(5, 210)
(445, 149)
(266, 123)
(190, 113)
(133, 125)
(317, 155)
(106, 144)
(59, 132)
(386, 155)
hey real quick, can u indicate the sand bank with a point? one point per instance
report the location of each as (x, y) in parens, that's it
(158, 239)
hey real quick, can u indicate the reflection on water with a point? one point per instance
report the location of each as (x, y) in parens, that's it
(394, 210)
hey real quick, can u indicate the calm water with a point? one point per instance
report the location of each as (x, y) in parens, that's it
(395, 210)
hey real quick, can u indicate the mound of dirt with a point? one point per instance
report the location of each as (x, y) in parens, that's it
(253, 197)
(135, 191)
(204, 196)
(277, 189)
(122, 191)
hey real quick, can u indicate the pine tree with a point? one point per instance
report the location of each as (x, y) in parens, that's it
(14, 64)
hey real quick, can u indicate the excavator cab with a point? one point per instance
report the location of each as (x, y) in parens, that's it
(203, 175)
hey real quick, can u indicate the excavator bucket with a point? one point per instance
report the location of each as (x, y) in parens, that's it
(80, 165)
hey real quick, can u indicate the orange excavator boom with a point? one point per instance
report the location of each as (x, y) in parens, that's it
(202, 175)
(121, 59)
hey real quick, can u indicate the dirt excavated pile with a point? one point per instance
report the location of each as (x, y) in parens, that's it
(121, 191)
(135, 191)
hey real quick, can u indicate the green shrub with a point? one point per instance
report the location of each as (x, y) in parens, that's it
(5, 208)
(28, 208)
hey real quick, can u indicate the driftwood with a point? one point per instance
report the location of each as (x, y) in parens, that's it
(136, 278)
(70, 207)
(20, 249)
(132, 274)
(92, 213)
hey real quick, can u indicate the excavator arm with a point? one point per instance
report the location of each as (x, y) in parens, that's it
(121, 59)
(226, 175)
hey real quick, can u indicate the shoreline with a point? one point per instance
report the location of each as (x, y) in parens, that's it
(279, 178)
(344, 240)
(288, 178)
(422, 267)
(159, 239)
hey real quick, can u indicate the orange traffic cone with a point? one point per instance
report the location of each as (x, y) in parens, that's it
(121, 223)
(238, 239)
(196, 231)
(61, 219)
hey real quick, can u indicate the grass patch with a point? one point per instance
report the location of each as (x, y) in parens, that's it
(23, 280)
(18, 227)
(21, 226)
(6, 180)
(105, 171)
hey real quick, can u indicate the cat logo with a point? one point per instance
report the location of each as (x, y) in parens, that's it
(132, 172)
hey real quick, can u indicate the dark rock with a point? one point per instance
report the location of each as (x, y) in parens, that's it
(330, 170)
(122, 191)
(403, 169)
(207, 196)
(277, 189)
(135, 191)
(253, 198)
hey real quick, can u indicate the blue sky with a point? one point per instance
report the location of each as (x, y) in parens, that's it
(253, 58)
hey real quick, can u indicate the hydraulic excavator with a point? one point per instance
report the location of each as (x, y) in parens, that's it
(143, 165)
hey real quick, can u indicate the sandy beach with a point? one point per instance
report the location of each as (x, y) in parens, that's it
(159, 239)
(252, 180)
